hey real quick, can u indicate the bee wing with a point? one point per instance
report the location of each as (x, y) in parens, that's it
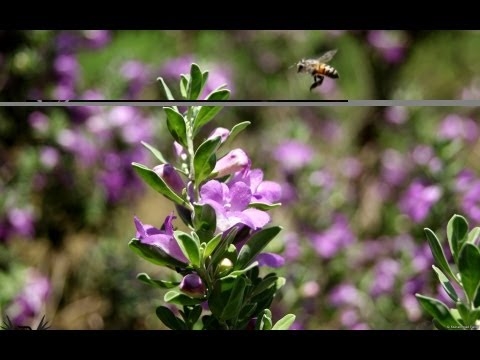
(327, 56)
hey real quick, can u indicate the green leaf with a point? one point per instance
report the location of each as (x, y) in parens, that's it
(226, 299)
(153, 254)
(457, 230)
(194, 314)
(189, 247)
(473, 235)
(284, 323)
(255, 245)
(155, 152)
(184, 84)
(196, 83)
(207, 113)
(439, 311)
(176, 125)
(205, 221)
(205, 77)
(219, 252)
(168, 93)
(447, 286)
(176, 297)
(263, 206)
(266, 283)
(212, 245)
(468, 316)
(204, 160)
(169, 319)
(438, 253)
(237, 129)
(157, 183)
(264, 321)
(469, 267)
(242, 271)
(145, 278)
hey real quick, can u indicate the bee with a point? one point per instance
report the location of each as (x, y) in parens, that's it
(318, 68)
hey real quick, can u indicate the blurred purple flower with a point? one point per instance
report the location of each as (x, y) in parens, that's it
(22, 221)
(39, 121)
(162, 238)
(454, 126)
(351, 167)
(67, 42)
(464, 180)
(96, 39)
(330, 130)
(424, 155)
(31, 300)
(292, 155)
(310, 289)
(292, 246)
(231, 205)
(77, 143)
(412, 307)
(323, 179)
(385, 271)
(137, 74)
(418, 199)
(64, 91)
(395, 167)
(470, 201)
(344, 294)
(360, 326)
(396, 115)
(49, 156)
(391, 44)
(338, 236)
(289, 193)
(422, 258)
(66, 67)
(349, 318)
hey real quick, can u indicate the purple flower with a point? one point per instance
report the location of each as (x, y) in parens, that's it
(39, 121)
(455, 126)
(331, 241)
(418, 199)
(351, 167)
(49, 156)
(310, 289)
(293, 155)
(232, 162)
(292, 246)
(422, 258)
(390, 44)
(161, 238)
(424, 155)
(66, 67)
(137, 74)
(270, 259)
(412, 307)
(21, 221)
(395, 167)
(220, 131)
(193, 286)
(470, 202)
(31, 300)
(171, 177)
(344, 294)
(322, 178)
(76, 142)
(464, 180)
(231, 205)
(396, 115)
(96, 39)
(267, 192)
(385, 274)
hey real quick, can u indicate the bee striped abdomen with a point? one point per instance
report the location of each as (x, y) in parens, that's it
(329, 71)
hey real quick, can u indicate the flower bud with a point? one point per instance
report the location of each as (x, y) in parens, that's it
(234, 161)
(222, 132)
(168, 174)
(193, 286)
(225, 266)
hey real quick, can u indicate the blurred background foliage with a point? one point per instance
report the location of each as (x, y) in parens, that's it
(360, 183)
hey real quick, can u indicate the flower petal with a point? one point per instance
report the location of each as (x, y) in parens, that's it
(270, 259)
(240, 196)
(212, 190)
(269, 192)
(258, 218)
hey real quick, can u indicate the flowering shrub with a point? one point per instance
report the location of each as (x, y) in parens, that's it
(225, 204)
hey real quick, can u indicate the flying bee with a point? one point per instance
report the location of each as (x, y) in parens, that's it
(318, 68)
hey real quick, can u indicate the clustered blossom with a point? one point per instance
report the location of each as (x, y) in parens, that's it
(335, 238)
(418, 200)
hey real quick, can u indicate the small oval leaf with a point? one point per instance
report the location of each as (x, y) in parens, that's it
(438, 253)
(169, 319)
(284, 323)
(457, 231)
(439, 311)
(469, 267)
(255, 245)
(176, 125)
(207, 113)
